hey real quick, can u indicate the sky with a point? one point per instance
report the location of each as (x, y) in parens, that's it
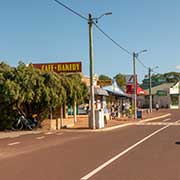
(42, 31)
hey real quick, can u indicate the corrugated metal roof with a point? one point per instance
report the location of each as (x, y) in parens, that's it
(115, 90)
(164, 87)
(100, 91)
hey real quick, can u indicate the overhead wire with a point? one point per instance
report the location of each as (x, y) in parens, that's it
(71, 10)
(122, 48)
(146, 67)
(105, 34)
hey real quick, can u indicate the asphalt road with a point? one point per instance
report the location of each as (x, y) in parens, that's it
(143, 151)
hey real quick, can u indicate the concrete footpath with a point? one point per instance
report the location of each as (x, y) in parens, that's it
(82, 124)
(82, 121)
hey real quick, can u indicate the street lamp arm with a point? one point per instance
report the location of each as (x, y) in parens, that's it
(104, 14)
(137, 54)
(154, 68)
(92, 123)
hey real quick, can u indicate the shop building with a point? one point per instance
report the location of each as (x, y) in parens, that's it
(175, 96)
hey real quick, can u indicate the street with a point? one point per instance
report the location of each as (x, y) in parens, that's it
(142, 151)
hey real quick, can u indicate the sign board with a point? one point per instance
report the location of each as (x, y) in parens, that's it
(175, 89)
(104, 82)
(161, 93)
(130, 88)
(130, 79)
(64, 67)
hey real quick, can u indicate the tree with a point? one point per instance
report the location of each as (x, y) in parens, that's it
(172, 77)
(79, 91)
(28, 91)
(104, 77)
(6, 110)
(120, 80)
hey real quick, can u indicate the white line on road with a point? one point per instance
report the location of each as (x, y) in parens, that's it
(177, 121)
(49, 133)
(121, 154)
(59, 134)
(40, 137)
(14, 143)
(166, 119)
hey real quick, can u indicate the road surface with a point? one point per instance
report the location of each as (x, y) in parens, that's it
(143, 151)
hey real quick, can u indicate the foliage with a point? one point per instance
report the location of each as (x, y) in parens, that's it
(28, 91)
(104, 77)
(170, 77)
(157, 79)
(78, 88)
(120, 80)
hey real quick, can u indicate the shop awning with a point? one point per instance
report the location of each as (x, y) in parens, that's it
(100, 92)
(114, 89)
(141, 91)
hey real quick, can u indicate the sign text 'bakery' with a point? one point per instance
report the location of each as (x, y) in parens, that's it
(65, 67)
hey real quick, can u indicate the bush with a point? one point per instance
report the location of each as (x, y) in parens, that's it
(6, 118)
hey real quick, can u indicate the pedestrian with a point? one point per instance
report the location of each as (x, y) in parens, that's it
(157, 106)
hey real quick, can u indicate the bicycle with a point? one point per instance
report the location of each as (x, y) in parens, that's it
(23, 123)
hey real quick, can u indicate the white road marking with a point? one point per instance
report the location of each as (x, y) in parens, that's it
(159, 123)
(177, 121)
(166, 119)
(40, 137)
(121, 154)
(49, 133)
(14, 143)
(59, 134)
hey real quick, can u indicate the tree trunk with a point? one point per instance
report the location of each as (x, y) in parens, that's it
(75, 117)
(64, 111)
(51, 113)
(61, 117)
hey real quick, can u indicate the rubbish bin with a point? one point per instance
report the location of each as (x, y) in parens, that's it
(99, 119)
(139, 114)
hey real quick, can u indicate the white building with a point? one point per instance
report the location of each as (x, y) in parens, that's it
(175, 96)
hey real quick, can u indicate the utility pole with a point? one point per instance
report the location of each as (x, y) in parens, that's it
(135, 85)
(150, 95)
(135, 55)
(150, 87)
(92, 111)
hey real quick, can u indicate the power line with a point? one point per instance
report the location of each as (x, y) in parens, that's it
(81, 16)
(155, 72)
(122, 48)
(142, 63)
(71, 10)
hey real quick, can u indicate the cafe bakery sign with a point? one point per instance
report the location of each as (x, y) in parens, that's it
(67, 67)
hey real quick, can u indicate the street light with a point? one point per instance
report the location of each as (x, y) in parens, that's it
(92, 112)
(135, 56)
(104, 14)
(150, 86)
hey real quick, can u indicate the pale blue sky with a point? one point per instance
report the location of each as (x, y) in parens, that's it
(42, 31)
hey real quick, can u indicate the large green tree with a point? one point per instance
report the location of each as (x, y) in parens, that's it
(28, 91)
(7, 90)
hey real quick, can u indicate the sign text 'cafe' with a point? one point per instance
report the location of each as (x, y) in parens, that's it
(65, 67)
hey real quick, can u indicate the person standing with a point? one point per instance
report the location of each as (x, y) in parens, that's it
(157, 106)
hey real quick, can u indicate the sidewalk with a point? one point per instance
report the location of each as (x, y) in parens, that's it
(12, 134)
(82, 121)
(82, 124)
